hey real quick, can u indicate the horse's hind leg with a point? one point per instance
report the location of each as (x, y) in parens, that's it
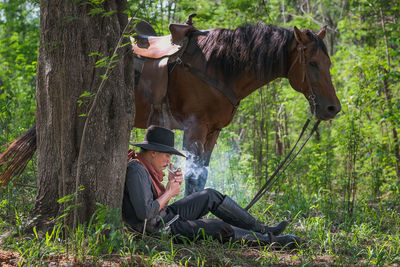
(198, 161)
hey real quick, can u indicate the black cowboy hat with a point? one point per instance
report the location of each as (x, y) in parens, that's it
(159, 139)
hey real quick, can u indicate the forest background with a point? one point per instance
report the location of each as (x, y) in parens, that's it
(342, 194)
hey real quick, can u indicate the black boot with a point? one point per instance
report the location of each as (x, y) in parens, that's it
(277, 228)
(253, 238)
(230, 212)
(287, 241)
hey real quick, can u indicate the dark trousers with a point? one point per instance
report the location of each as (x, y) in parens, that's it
(191, 209)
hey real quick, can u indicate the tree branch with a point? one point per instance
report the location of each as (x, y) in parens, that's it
(315, 21)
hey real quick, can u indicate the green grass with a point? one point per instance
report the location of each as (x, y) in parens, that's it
(375, 241)
(330, 236)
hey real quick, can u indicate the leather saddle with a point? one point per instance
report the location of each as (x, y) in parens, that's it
(152, 56)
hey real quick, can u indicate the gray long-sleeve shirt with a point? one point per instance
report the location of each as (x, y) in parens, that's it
(140, 196)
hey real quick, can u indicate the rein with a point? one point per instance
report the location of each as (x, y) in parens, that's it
(277, 172)
(301, 58)
(311, 98)
(231, 96)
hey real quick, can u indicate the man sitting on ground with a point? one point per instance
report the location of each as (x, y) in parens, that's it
(145, 204)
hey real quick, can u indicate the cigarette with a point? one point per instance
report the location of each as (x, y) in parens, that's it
(171, 171)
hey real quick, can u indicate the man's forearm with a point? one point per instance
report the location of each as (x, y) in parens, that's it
(173, 187)
(163, 199)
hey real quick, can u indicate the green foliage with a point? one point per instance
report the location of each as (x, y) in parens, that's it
(107, 229)
(341, 194)
(19, 39)
(105, 238)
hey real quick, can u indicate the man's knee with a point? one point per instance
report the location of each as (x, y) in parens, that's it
(214, 196)
(211, 191)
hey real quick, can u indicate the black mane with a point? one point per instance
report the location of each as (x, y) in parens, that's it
(259, 48)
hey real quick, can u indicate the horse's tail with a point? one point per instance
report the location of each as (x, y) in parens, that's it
(14, 160)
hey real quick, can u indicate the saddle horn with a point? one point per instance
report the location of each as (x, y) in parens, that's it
(189, 21)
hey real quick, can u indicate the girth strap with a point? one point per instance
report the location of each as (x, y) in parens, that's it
(226, 91)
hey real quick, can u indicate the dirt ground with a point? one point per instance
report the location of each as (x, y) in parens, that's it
(9, 258)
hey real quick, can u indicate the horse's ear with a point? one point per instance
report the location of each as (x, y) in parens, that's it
(300, 36)
(322, 32)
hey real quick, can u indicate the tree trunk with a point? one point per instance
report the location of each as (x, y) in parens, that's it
(68, 156)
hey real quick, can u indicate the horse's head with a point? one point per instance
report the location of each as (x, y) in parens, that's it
(309, 74)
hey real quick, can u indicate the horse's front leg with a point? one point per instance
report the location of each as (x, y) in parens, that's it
(199, 143)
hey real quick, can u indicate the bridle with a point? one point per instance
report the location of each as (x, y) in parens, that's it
(311, 98)
(300, 58)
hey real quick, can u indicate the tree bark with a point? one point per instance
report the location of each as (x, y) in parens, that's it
(65, 71)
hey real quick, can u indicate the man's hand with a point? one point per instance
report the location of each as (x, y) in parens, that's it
(173, 187)
(176, 176)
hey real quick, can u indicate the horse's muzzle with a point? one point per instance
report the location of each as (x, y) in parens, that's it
(327, 112)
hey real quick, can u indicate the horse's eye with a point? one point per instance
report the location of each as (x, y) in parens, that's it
(314, 64)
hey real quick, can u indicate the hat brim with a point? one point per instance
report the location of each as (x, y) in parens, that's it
(160, 148)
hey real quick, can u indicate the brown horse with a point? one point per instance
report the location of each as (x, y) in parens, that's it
(239, 61)
(230, 65)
